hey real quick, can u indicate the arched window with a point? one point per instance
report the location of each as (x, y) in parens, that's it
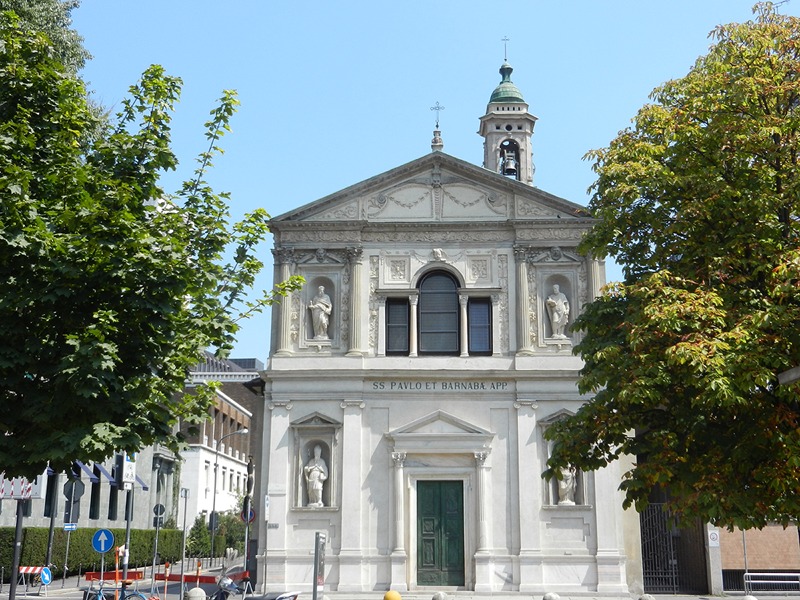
(438, 314)
(439, 320)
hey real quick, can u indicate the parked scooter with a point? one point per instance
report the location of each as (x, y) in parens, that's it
(226, 587)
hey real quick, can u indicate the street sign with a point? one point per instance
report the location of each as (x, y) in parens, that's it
(70, 526)
(129, 468)
(73, 489)
(46, 576)
(103, 540)
(251, 518)
(159, 510)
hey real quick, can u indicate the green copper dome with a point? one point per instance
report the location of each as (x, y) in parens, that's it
(506, 91)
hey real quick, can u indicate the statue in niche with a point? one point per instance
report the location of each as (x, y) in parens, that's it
(316, 472)
(558, 309)
(567, 486)
(320, 307)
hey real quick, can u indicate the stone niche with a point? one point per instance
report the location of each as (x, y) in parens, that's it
(553, 496)
(312, 467)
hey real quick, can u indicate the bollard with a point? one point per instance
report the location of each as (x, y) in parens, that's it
(392, 595)
(166, 577)
(195, 594)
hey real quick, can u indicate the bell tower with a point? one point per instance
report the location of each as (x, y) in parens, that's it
(507, 129)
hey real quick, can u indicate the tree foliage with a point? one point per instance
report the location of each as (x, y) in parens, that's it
(112, 289)
(198, 540)
(53, 18)
(698, 201)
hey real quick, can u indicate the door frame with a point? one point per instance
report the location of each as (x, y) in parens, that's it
(466, 477)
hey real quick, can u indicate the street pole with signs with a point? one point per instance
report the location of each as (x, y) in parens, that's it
(185, 496)
(319, 565)
(246, 510)
(125, 476)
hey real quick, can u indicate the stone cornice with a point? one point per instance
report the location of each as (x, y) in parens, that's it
(341, 234)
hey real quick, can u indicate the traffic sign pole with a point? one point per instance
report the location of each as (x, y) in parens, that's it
(102, 542)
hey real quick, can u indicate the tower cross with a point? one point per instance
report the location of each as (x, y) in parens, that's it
(438, 109)
(505, 41)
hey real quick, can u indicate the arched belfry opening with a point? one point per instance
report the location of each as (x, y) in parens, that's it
(509, 158)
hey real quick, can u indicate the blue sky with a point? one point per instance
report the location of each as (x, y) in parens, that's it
(335, 92)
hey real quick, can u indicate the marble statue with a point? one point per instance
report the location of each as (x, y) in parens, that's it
(316, 472)
(558, 309)
(320, 307)
(567, 486)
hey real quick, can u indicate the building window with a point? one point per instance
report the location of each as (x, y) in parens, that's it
(113, 503)
(397, 326)
(50, 495)
(479, 317)
(440, 320)
(438, 315)
(94, 498)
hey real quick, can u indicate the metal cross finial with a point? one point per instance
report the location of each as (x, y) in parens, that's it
(438, 109)
(505, 41)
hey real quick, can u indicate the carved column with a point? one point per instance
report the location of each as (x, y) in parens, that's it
(483, 567)
(463, 299)
(413, 302)
(497, 349)
(523, 304)
(284, 257)
(380, 301)
(350, 554)
(483, 502)
(357, 311)
(399, 459)
(399, 558)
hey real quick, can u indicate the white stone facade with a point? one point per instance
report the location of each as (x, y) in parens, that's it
(402, 412)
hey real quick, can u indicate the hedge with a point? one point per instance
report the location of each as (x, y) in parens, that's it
(81, 553)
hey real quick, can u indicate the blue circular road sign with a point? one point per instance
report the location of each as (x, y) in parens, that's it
(46, 576)
(102, 540)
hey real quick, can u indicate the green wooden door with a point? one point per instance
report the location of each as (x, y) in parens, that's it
(440, 533)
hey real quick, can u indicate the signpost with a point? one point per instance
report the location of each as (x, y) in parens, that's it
(127, 464)
(73, 490)
(102, 542)
(19, 489)
(319, 565)
(250, 518)
(128, 471)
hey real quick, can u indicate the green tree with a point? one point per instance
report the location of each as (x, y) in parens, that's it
(54, 19)
(698, 201)
(198, 541)
(112, 289)
(231, 527)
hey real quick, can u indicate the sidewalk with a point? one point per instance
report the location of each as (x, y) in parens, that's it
(75, 586)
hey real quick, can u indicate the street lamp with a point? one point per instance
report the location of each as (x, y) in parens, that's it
(214, 494)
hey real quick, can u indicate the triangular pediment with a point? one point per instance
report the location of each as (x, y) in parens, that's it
(440, 432)
(556, 416)
(316, 419)
(436, 188)
(438, 422)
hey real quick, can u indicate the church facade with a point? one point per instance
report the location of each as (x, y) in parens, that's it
(411, 380)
